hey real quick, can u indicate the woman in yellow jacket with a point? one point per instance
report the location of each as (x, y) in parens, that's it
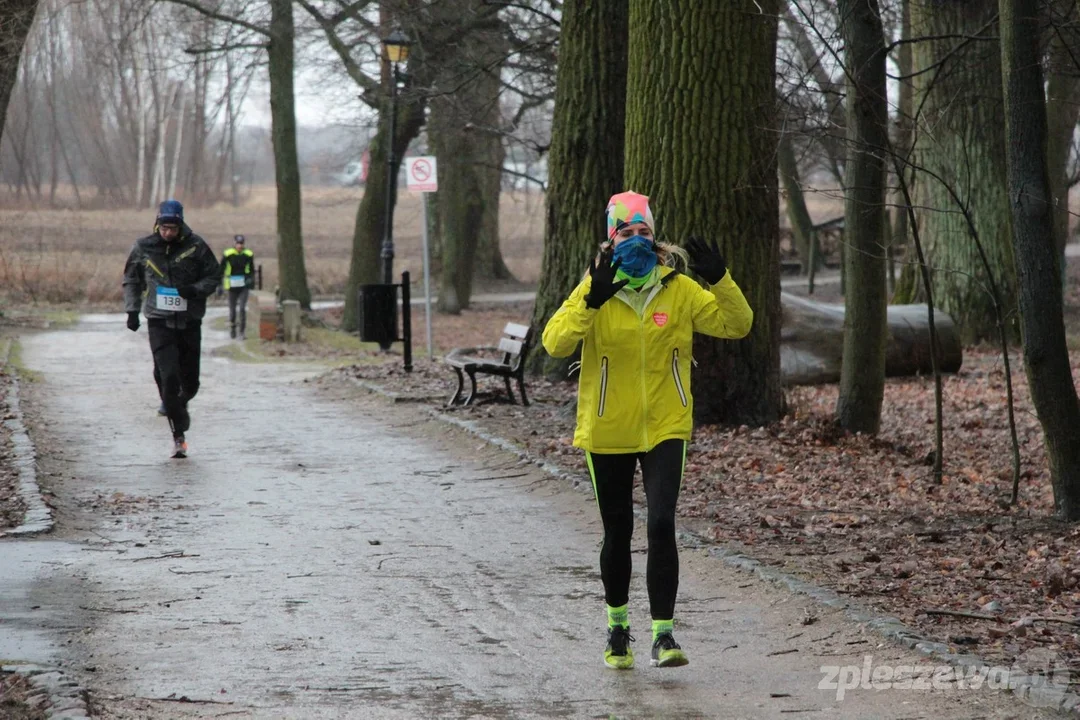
(635, 315)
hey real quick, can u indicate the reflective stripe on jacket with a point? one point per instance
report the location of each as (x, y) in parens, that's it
(634, 387)
(238, 263)
(154, 263)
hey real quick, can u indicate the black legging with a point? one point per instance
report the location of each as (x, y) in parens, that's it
(176, 368)
(613, 482)
(238, 298)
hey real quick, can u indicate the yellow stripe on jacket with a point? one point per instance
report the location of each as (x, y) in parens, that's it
(634, 388)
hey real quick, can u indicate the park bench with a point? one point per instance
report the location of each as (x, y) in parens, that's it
(514, 348)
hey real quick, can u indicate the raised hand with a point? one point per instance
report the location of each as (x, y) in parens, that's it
(603, 286)
(706, 260)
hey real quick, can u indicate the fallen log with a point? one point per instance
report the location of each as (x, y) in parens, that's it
(812, 341)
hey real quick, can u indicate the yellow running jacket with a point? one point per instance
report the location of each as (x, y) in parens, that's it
(634, 388)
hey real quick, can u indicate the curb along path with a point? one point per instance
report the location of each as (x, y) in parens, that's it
(60, 697)
(1031, 689)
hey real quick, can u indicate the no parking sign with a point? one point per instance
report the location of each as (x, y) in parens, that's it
(421, 174)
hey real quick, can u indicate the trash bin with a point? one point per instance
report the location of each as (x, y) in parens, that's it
(378, 314)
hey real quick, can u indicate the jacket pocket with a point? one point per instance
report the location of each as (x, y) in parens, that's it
(603, 386)
(678, 378)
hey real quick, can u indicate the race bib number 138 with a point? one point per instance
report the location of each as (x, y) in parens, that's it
(169, 299)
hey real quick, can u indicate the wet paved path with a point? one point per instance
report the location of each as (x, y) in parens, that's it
(325, 555)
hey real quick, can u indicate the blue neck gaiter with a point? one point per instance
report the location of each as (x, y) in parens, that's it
(638, 256)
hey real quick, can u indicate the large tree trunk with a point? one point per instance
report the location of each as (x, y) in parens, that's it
(585, 163)
(1046, 356)
(862, 382)
(468, 200)
(16, 17)
(461, 203)
(812, 341)
(701, 143)
(958, 87)
(292, 275)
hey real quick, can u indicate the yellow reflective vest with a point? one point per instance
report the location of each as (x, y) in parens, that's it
(634, 388)
(235, 264)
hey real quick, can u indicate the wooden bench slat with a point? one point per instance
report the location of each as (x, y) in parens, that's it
(516, 331)
(510, 346)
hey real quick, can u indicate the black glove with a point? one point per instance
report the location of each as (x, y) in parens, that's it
(706, 260)
(603, 286)
(187, 292)
(133, 321)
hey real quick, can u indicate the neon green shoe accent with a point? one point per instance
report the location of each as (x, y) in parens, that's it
(667, 653)
(617, 616)
(618, 654)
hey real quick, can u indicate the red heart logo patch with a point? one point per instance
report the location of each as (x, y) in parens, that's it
(660, 319)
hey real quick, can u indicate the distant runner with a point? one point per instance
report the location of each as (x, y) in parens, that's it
(634, 402)
(237, 278)
(169, 274)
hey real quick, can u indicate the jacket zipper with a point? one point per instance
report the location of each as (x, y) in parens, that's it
(603, 386)
(675, 373)
(644, 385)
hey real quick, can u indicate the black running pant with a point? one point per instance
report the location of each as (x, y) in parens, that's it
(176, 368)
(238, 298)
(613, 483)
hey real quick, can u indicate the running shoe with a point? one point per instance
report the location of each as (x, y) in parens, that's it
(618, 654)
(180, 448)
(667, 653)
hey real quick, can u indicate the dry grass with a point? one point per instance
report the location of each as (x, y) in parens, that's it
(71, 256)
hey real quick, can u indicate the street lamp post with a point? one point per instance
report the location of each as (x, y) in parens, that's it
(396, 45)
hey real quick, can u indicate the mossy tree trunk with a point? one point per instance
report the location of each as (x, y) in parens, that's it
(701, 142)
(862, 373)
(585, 162)
(962, 140)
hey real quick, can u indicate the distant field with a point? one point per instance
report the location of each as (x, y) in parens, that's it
(64, 256)
(77, 256)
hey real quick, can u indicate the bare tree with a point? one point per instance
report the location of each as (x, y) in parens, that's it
(277, 34)
(862, 379)
(1046, 356)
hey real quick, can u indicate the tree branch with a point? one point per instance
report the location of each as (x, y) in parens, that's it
(367, 84)
(347, 11)
(550, 18)
(225, 48)
(191, 4)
